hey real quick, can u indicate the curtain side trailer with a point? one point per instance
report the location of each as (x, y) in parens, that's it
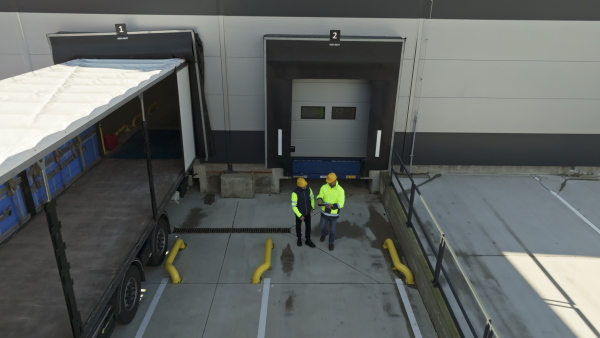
(85, 181)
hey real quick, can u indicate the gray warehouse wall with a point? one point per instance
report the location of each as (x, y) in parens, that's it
(506, 93)
(475, 75)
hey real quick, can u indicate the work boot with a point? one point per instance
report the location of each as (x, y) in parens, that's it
(322, 239)
(299, 242)
(310, 243)
(330, 247)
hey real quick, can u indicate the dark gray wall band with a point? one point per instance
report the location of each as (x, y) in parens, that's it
(320, 8)
(451, 148)
(246, 147)
(159, 7)
(588, 10)
(500, 149)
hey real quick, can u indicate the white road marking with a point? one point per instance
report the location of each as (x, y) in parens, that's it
(411, 316)
(576, 212)
(262, 322)
(150, 310)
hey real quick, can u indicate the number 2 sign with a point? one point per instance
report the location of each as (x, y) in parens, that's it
(334, 36)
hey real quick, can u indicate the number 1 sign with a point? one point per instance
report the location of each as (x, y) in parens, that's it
(121, 29)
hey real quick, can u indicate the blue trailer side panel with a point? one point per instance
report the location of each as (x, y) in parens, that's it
(12, 208)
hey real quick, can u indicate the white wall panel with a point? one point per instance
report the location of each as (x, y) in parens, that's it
(215, 111)
(401, 110)
(11, 65)
(511, 79)
(245, 76)
(509, 116)
(41, 61)
(213, 79)
(37, 25)
(247, 113)
(487, 76)
(10, 34)
(406, 77)
(513, 40)
(244, 35)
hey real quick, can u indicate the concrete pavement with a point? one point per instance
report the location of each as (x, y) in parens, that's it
(532, 259)
(314, 292)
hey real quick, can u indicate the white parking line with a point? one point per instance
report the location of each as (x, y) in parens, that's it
(411, 316)
(576, 212)
(587, 221)
(262, 322)
(150, 310)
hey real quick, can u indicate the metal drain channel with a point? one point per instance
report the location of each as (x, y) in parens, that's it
(231, 230)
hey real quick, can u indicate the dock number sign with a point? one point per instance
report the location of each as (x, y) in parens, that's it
(121, 30)
(334, 37)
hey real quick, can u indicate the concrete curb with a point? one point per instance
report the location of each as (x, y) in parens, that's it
(432, 298)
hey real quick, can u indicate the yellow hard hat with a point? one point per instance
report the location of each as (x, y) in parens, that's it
(331, 178)
(301, 182)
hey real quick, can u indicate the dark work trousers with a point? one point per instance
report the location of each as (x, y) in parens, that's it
(306, 226)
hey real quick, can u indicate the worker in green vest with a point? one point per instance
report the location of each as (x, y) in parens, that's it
(303, 203)
(331, 198)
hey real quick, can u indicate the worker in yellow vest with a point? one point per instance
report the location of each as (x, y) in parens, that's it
(303, 203)
(331, 198)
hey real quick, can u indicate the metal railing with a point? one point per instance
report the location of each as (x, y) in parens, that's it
(448, 273)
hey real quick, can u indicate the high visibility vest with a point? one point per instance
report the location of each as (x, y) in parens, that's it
(303, 201)
(334, 196)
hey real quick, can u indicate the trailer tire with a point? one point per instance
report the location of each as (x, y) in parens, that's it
(160, 242)
(128, 296)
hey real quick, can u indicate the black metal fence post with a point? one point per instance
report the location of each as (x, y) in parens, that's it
(488, 333)
(438, 263)
(411, 202)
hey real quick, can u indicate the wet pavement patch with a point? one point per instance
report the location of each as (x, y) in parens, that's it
(287, 259)
(379, 226)
(193, 218)
(289, 304)
(387, 307)
(209, 199)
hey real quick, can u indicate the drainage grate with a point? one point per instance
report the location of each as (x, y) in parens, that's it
(231, 230)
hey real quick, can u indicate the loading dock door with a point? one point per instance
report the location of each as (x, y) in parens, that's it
(291, 57)
(330, 118)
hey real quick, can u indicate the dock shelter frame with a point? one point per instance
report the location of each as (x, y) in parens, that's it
(289, 57)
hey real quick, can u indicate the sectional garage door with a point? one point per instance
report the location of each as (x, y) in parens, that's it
(330, 118)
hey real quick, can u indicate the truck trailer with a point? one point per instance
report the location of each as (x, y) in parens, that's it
(91, 152)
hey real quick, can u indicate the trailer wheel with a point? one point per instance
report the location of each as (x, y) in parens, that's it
(128, 297)
(160, 242)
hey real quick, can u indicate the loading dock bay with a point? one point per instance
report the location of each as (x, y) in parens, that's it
(349, 292)
(537, 290)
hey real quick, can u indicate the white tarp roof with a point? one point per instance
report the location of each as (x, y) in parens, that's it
(41, 108)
